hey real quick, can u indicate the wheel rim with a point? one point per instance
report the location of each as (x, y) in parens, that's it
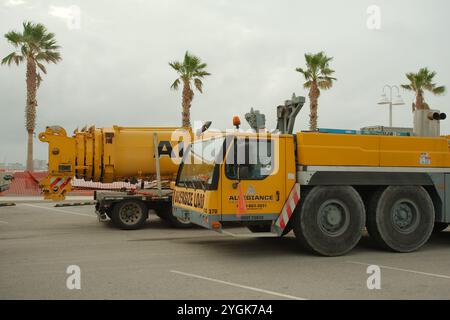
(333, 218)
(405, 216)
(130, 213)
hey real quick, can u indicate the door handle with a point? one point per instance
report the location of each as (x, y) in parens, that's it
(278, 195)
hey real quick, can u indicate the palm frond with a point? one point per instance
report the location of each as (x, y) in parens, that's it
(201, 66)
(327, 71)
(24, 50)
(407, 87)
(176, 65)
(41, 67)
(175, 84)
(307, 84)
(200, 74)
(48, 56)
(198, 84)
(14, 38)
(439, 90)
(322, 77)
(38, 79)
(12, 57)
(325, 83)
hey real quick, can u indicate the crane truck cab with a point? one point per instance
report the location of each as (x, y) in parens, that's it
(326, 187)
(258, 169)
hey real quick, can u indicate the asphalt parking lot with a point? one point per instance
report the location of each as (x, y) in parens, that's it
(38, 242)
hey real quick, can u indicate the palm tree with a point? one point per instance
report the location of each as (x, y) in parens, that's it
(191, 69)
(419, 82)
(35, 45)
(318, 77)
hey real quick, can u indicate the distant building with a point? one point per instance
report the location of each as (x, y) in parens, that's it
(16, 166)
(38, 165)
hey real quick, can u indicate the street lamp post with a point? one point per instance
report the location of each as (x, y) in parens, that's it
(384, 100)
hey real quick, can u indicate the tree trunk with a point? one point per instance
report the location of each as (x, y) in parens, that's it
(419, 101)
(30, 152)
(30, 110)
(313, 105)
(188, 95)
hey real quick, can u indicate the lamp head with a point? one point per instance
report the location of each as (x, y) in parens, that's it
(398, 101)
(384, 99)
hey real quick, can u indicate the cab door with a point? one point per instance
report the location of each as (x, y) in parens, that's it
(254, 168)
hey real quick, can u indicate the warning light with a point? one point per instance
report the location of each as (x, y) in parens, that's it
(216, 225)
(236, 122)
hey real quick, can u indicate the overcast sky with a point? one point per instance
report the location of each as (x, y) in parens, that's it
(114, 68)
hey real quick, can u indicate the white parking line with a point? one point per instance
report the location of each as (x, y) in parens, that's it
(251, 235)
(59, 210)
(4, 222)
(403, 270)
(237, 285)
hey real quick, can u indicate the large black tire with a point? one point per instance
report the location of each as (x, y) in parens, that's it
(400, 218)
(129, 214)
(440, 226)
(330, 220)
(164, 211)
(258, 228)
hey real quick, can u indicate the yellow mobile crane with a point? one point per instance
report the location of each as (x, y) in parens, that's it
(326, 187)
(117, 154)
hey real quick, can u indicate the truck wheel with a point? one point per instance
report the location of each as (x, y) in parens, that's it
(129, 214)
(330, 220)
(401, 218)
(165, 213)
(439, 227)
(257, 228)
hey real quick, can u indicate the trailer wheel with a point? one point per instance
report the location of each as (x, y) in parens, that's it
(257, 228)
(165, 213)
(439, 227)
(401, 219)
(330, 220)
(129, 214)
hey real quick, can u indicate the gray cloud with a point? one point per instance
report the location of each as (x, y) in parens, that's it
(114, 68)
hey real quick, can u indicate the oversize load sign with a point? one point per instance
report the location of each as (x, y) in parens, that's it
(190, 198)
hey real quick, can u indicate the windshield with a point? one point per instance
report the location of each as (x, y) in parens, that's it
(199, 168)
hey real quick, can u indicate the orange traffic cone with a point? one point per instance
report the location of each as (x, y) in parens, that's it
(241, 207)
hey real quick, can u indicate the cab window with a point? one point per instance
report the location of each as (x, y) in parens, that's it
(249, 159)
(199, 168)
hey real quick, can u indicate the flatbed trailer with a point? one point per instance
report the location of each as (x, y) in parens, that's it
(129, 210)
